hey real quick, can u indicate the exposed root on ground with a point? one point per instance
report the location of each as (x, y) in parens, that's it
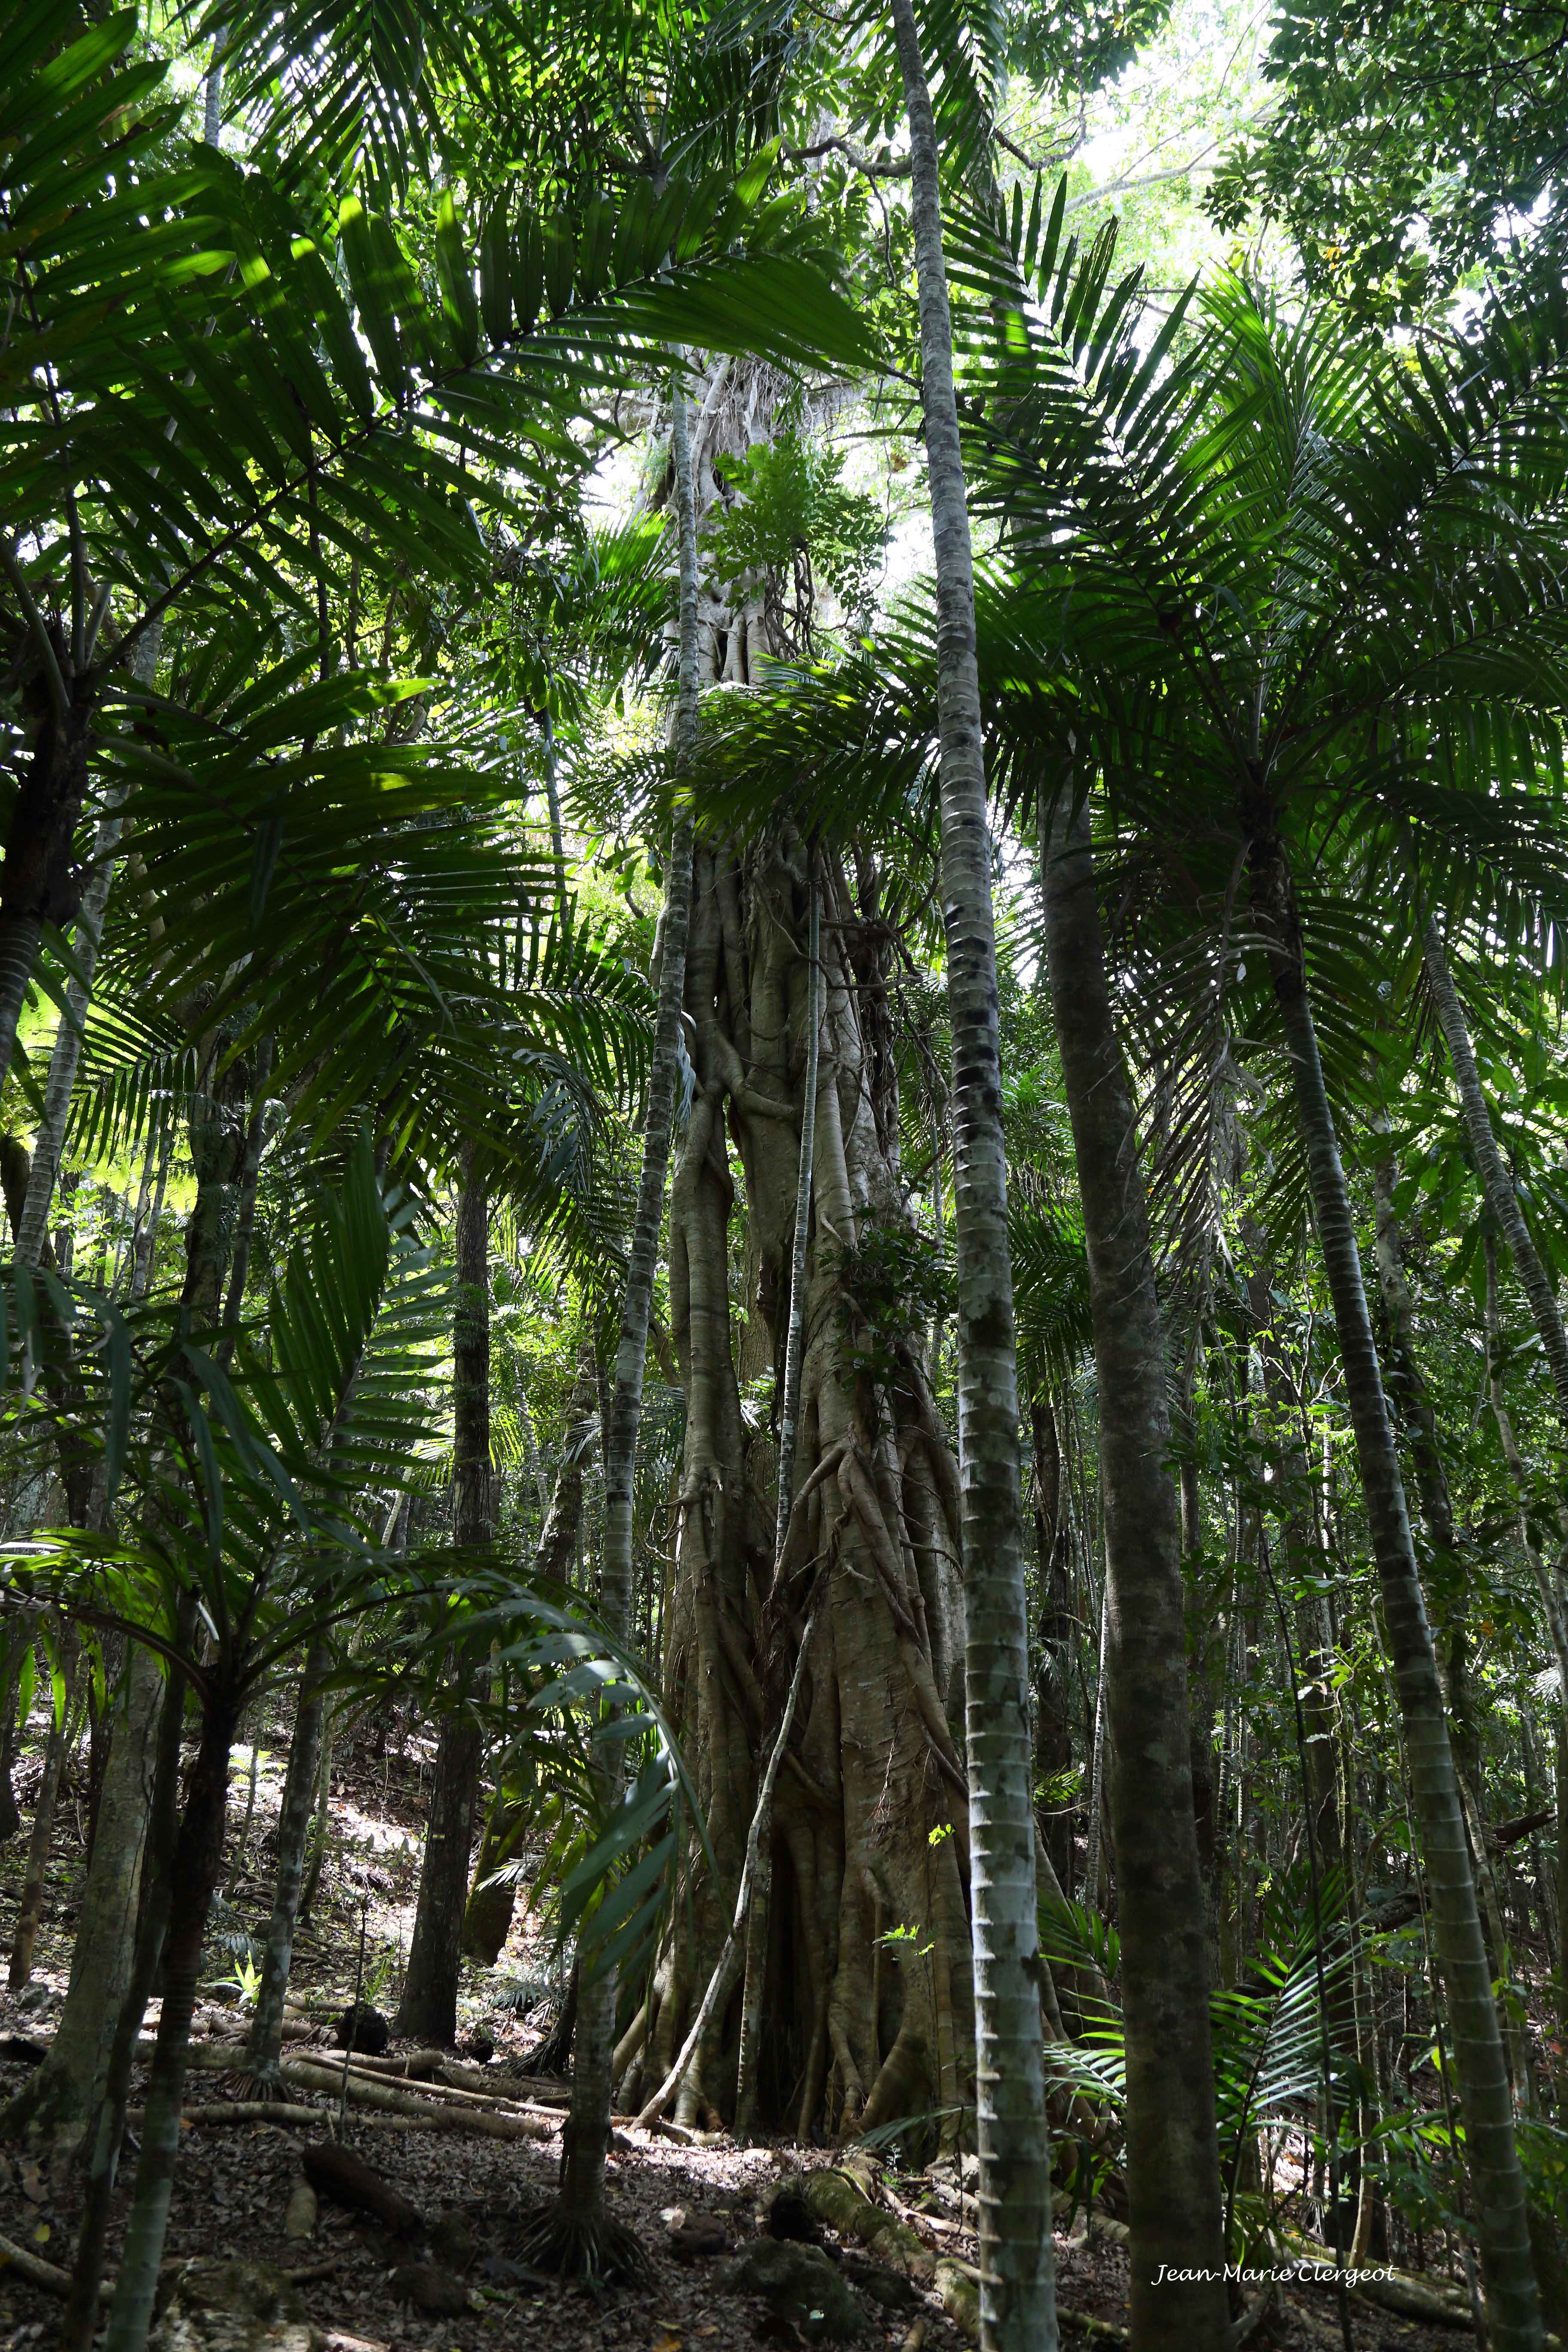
(598, 2249)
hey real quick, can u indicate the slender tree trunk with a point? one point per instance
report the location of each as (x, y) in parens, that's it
(293, 1828)
(197, 1861)
(1172, 2149)
(1411, 1398)
(1493, 2158)
(1053, 1692)
(1017, 2294)
(1561, 1890)
(66, 1054)
(586, 2138)
(321, 1826)
(1094, 1816)
(10, 1696)
(32, 1904)
(488, 1917)
(81, 2316)
(62, 2094)
(245, 1218)
(428, 2010)
(1497, 1183)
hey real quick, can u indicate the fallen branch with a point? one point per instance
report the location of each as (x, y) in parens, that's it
(240, 2111)
(436, 2116)
(38, 2272)
(1412, 2298)
(54, 2280)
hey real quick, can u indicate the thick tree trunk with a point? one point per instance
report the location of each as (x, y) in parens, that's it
(1497, 1185)
(60, 2100)
(759, 1842)
(32, 1903)
(858, 2032)
(428, 2010)
(586, 2136)
(293, 1829)
(1017, 2294)
(198, 1859)
(1493, 2159)
(1173, 2149)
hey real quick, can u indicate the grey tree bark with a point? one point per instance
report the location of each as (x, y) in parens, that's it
(1492, 2156)
(1172, 2149)
(1018, 2295)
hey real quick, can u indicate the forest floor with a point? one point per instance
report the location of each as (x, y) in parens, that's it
(235, 2179)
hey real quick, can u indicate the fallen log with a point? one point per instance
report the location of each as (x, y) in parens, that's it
(345, 2178)
(240, 2111)
(1411, 2297)
(366, 2091)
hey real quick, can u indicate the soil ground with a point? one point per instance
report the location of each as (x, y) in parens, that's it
(235, 2181)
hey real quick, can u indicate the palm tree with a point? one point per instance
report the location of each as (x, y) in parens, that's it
(1274, 574)
(581, 2235)
(1018, 2295)
(1172, 2150)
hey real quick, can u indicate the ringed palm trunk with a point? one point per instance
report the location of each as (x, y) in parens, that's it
(1172, 2149)
(1017, 2294)
(1496, 2182)
(586, 2136)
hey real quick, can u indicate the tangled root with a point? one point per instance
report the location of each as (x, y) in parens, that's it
(241, 2085)
(599, 2250)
